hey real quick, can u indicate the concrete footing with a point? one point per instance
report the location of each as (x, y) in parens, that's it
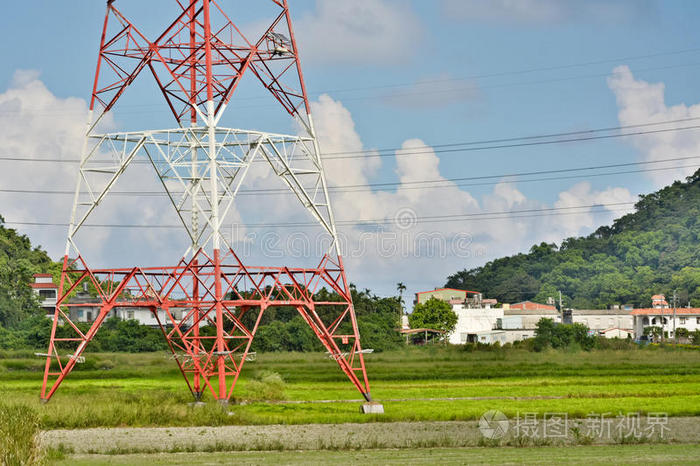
(196, 404)
(372, 408)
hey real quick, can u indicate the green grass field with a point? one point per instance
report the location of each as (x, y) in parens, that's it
(419, 384)
(590, 455)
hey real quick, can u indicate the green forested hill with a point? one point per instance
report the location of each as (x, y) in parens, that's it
(19, 261)
(653, 250)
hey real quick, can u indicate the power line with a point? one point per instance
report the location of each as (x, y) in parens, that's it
(437, 82)
(434, 184)
(510, 142)
(522, 71)
(577, 210)
(504, 85)
(526, 138)
(430, 151)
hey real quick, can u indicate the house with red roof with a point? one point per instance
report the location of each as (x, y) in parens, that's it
(531, 306)
(667, 319)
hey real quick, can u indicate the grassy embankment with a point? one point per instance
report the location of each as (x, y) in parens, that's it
(419, 384)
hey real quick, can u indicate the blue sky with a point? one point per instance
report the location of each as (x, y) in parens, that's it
(429, 73)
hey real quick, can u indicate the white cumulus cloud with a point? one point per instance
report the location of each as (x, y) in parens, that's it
(615, 201)
(641, 102)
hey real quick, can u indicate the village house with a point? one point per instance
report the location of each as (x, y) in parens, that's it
(483, 321)
(82, 309)
(662, 315)
(46, 290)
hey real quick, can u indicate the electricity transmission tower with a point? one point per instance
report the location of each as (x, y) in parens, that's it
(197, 63)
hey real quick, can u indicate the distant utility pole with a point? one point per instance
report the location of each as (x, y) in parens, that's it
(561, 308)
(675, 340)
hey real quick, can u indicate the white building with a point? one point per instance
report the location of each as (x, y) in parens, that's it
(503, 325)
(474, 324)
(46, 290)
(82, 308)
(662, 315)
(687, 318)
(617, 333)
(521, 324)
(480, 321)
(606, 321)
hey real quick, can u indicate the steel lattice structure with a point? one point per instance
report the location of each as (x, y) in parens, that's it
(198, 62)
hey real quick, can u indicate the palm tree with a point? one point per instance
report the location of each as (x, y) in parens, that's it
(401, 288)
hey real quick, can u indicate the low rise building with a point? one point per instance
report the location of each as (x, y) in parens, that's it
(445, 294)
(605, 321)
(617, 333)
(474, 324)
(686, 318)
(480, 321)
(82, 308)
(46, 290)
(661, 315)
(531, 306)
(521, 324)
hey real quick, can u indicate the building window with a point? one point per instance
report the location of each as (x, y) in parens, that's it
(645, 321)
(697, 320)
(130, 315)
(47, 294)
(682, 320)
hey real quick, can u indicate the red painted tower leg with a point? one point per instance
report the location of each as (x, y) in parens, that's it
(195, 331)
(221, 352)
(54, 325)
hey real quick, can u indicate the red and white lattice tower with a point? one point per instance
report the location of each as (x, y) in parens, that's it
(198, 62)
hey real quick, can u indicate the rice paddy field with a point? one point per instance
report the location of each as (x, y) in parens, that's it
(417, 386)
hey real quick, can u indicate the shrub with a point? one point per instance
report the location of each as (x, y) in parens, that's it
(552, 335)
(434, 314)
(19, 427)
(603, 343)
(695, 337)
(268, 386)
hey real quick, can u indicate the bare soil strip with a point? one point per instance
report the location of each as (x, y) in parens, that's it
(318, 437)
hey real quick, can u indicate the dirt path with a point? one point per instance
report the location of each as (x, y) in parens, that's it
(306, 437)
